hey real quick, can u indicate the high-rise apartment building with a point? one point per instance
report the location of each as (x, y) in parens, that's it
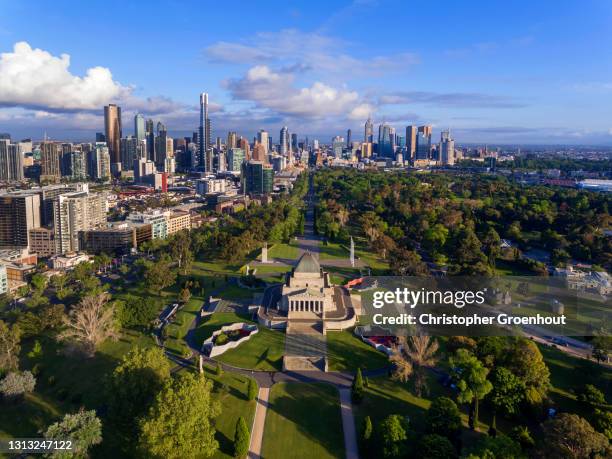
(11, 161)
(423, 144)
(130, 151)
(235, 158)
(259, 152)
(74, 212)
(74, 165)
(19, 213)
(112, 127)
(50, 154)
(100, 162)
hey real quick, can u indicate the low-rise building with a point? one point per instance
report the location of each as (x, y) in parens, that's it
(178, 220)
(68, 261)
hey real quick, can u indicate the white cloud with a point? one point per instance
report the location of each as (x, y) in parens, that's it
(34, 78)
(319, 52)
(275, 91)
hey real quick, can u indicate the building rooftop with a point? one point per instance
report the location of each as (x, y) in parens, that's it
(308, 264)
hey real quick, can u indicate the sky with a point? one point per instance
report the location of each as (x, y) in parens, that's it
(491, 71)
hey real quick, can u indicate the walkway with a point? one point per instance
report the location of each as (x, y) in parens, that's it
(348, 425)
(259, 421)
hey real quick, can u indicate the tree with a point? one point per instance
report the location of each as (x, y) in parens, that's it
(508, 391)
(525, 361)
(366, 435)
(602, 348)
(252, 389)
(135, 382)
(443, 418)
(570, 436)
(591, 396)
(521, 435)
(84, 429)
(491, 243)
(357, 387)
(435, 446)
(10, 337)
(16, 384)
(38, 282)
(602, 421)
(135, 311)
(412, 359)
(36, 351)
(404, 262)
(180, 249)
(179, 423)
(90, 323)
(242, 437)
(184, 295)
(471, 376)
(159, 275)
(392, 434)
(498, 447)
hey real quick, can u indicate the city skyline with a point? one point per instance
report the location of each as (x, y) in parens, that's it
(521, 81)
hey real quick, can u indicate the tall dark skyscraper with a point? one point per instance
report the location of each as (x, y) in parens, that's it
(349, 139)
(112, 126)
(204, 132)
(150, 136)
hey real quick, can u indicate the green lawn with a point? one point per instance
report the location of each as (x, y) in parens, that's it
(337, 251)
(64, 383)
(264, 351)
(303, 420)
(231, 390)
(180, 326)
(286, 251)
(346, 352)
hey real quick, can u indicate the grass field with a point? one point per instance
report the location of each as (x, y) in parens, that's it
(337, 251)
(264, 351)
(64, 384)
(303, 420)
(231, 390)
(346, 352)
(180, 326)
(285, 251)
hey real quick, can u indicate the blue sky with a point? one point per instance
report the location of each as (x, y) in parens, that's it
(497, 72)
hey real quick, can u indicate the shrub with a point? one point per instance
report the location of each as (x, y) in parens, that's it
(16, 384)
(221, 339)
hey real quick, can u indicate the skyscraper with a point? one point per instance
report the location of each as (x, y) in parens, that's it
(150, 137)
(139, 127)
(349, 138)
(447, 149)
(262, 138)
(231, 140)
(11, 161)
(204, 141)
(74, 212)
(244, 144)
(411, 135)
(423, 149)
(284, 141)
(112, 126)
(19, 212)
(50, 161)
(386, 136)
(368, 135)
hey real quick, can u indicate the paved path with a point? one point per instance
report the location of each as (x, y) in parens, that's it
(259, 421)
(348, 425)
